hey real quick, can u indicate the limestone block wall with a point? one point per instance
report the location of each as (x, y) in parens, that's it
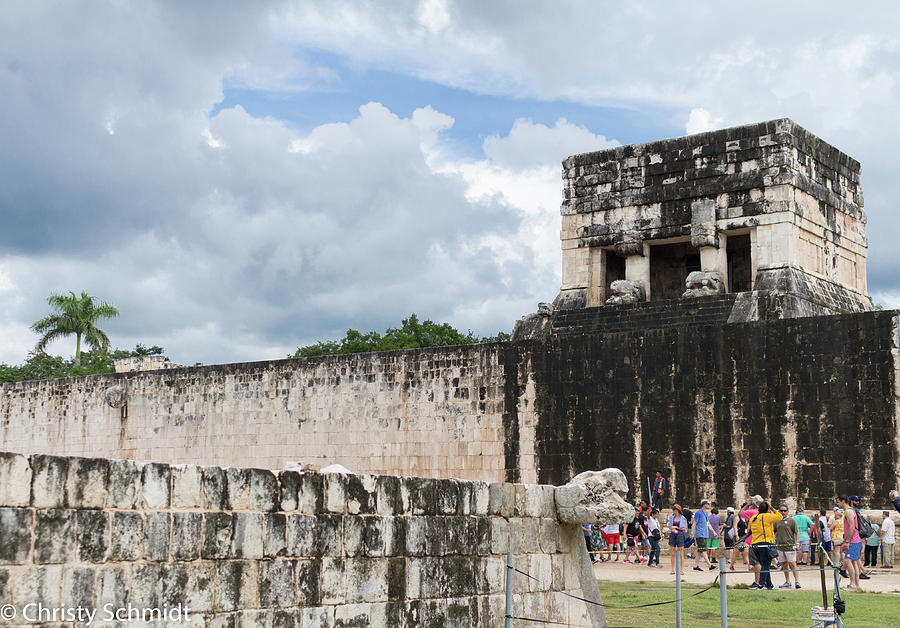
(249, 547)
(802, 409)
(441, 412)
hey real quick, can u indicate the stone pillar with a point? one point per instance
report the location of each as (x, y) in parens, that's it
(637, 268)
(754, 258)
(715, 258)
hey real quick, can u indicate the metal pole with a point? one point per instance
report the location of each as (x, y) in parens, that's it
(509, 588)
(677, 587)
(723, 593)
(837, 595)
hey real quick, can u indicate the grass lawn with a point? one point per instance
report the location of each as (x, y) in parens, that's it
(745, 607)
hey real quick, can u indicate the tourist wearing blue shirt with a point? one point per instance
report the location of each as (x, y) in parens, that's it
(701, 532)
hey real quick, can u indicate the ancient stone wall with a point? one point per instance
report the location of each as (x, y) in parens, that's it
(249, 547)
(799, 409)
(439, 412)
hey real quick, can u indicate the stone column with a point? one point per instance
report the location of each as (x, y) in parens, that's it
(754, 258)
(715, 258)
(637, 268)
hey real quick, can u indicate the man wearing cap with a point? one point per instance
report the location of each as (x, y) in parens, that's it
(701, 531)
(786, 540)
(804, 523)
(887, 540)
(729, 535)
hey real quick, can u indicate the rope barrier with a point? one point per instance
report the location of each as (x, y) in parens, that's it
(528, 575)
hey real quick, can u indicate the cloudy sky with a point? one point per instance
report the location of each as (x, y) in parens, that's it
(240, 180)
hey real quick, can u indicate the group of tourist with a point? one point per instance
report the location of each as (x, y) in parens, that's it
(761, 535)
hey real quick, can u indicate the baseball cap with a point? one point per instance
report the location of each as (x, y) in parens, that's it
(836, 509)
(703, 502)
(854, 498)
(729, 509)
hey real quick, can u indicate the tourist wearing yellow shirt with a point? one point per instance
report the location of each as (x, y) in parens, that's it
(763, 550)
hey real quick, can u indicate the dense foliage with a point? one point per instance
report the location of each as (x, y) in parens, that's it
(42, 366)
(412, 334)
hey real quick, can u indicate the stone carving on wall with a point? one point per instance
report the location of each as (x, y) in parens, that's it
(626, 291)
(535, 325)
(702, 283)
(116, 396)
(594, 497)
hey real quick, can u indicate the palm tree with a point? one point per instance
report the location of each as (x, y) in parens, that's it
(74, 315)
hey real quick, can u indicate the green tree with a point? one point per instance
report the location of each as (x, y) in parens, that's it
(76, 315)
(94, 362)
(412, 334)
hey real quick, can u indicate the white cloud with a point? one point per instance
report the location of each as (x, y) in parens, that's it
(701, 120)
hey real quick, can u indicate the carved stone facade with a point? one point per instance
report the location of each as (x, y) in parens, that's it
(768, 207)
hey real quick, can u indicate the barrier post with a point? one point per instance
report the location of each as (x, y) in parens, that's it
(509, 588)
(837, 596)
(677, 587)
(723, 593)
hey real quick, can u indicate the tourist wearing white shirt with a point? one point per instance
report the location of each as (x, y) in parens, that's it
(887, 540)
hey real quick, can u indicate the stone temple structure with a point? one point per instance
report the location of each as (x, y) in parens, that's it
(712, 322)
(770, 210)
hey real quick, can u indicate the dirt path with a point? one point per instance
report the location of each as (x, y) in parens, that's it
(882, 580)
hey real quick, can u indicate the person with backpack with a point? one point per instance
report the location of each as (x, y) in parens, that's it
(865, 531)
(659, 489)
(729, 536)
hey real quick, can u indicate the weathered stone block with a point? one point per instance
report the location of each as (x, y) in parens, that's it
(508, 507)
(237, 584)
(92, 536)
(422, 495)
(124, 487)
(78, 587)
(354, 532)
(335, 493)
(157, 528)
(255, 619)
(396, 578)
(361, 494)
(238, 485)
(499, 535)
(353, 580)
(388, 500)
(311, 498)
(394, 536)
(275, 539)
(48, 481)
(86, 482)
(15, 536)
(54, 536)
(548, 501)
(215, 488)
(289, 482)
(186, 535)
(321, 617)
(416, 533)
(247, 541)
(492, 575)
(495, 498)
(301, 535)
(374, 536)
(447, 493)
(15, 480)
(126, 536)
(307, 577)
(481, 496)
(283, 618)
(276, 583)
(144, 589)
(189, 584)
(187, 489)
(41, 584)
(482, 536)
(217, 535)
(329, 534)
(110, 585)
(263, 490)
(549, 535)
(156, 486)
